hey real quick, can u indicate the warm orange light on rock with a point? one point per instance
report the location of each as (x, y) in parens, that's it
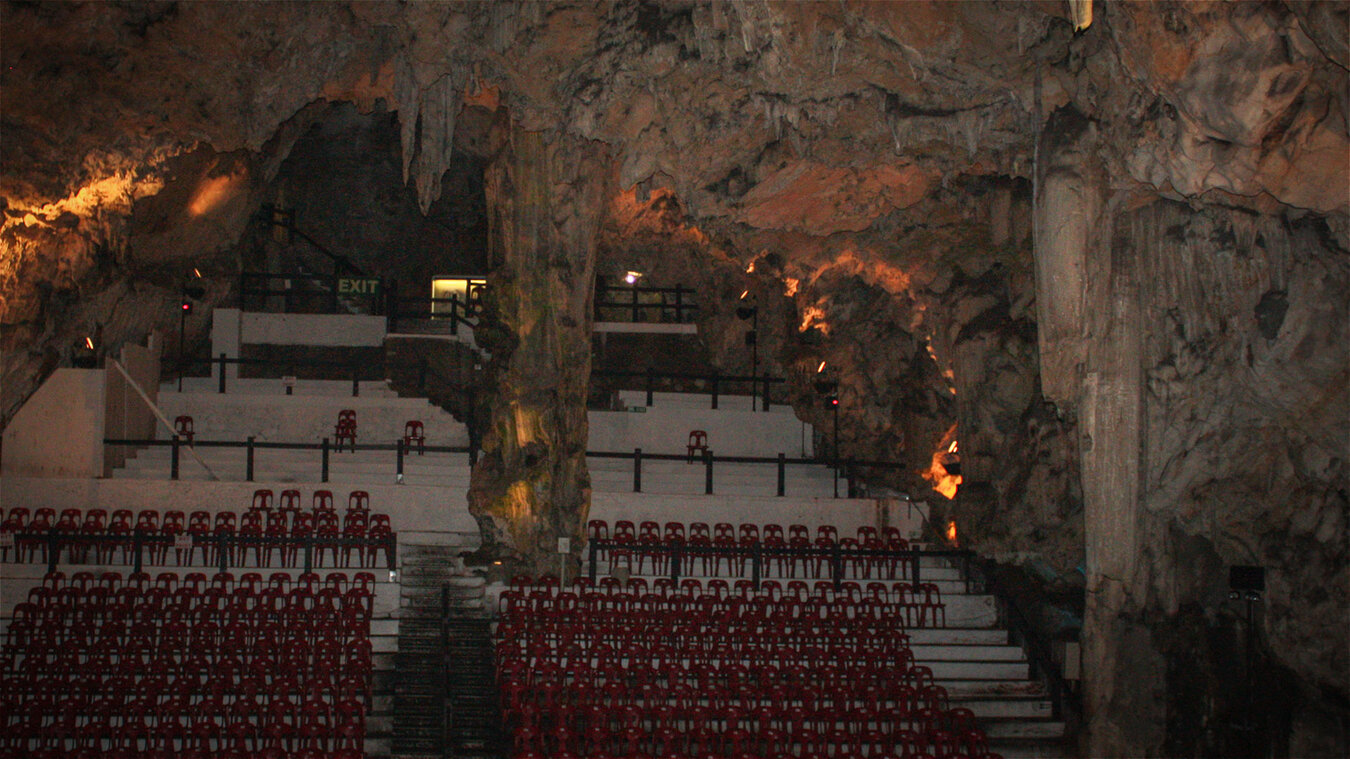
(951, 533)
(944, 481)
(813, 316)
(211, 193)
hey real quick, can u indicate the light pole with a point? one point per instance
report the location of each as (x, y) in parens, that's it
(828, 390)
(752, 340)
(188, 294)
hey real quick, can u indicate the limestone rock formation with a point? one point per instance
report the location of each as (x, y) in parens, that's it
(1105, 243)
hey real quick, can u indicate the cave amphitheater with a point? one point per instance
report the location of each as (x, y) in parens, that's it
(1055, 293)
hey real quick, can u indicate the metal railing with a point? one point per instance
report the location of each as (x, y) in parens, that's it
(324, 293)
(714, 385)
(227, 547)
(662, 305)
(326, 449)
(453, 311)
(357, 370)
(905, 562)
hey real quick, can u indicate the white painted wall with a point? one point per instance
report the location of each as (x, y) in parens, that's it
(126, 414)
(730, 433)
(308, 418)
(225, 338)
(58, 432)
(331, 330)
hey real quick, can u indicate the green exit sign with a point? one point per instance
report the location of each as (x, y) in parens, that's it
(359, 286)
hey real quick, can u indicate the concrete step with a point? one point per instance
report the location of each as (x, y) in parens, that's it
(1020, 729)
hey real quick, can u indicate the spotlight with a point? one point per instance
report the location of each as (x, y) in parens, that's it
(632, 277)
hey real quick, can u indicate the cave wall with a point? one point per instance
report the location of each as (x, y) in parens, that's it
(960, 196)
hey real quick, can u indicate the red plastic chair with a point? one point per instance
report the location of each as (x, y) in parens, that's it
(412, 433)
(698, 441)
(345, 429)
(359, 500)
(322, 501)
(182, 426)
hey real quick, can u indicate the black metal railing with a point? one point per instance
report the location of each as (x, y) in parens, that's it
(904, 562)
(846, 471)
(326, 449)
(356, 370)
(229, 550)
(453, 311)
(312, 293)
(661, 305)
(714, 385)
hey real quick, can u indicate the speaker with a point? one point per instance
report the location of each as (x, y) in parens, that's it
(1242, 577)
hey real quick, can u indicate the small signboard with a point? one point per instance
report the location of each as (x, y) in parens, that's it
(6, 540)
(182, 542)
(368, 286)
(564, 545)
(637, 409)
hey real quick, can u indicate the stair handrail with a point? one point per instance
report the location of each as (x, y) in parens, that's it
(1039, 655)
(271, 212)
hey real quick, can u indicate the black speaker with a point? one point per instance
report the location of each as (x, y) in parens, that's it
(1241, 577)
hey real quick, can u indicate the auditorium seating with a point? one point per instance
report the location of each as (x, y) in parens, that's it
(708, 667)
(109, 665)
(261, 535)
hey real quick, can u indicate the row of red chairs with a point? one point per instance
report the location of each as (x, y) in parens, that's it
(113, 580)
(190, 753)
(699, 742)
(747, 589)
(671, 636)
(291, 726)
(320, 500)
(770, 534)
(725, 543)
(914, 611)
(95, 536)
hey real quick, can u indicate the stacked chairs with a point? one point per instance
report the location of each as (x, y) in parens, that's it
(711, 668)
(344, 432)
(133, 666)
(272, 531)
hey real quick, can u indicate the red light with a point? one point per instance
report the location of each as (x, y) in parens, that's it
(187, 307)
(834, 401)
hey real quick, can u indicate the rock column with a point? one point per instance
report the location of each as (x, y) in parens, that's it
(545, 196)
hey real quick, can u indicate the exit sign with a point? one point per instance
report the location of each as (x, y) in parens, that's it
(359, 286)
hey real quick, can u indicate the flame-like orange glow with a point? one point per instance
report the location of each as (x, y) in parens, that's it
(89, 343)
(820, 368)
(790, 286)
(951, 533)
(750, 268)
(943, 481)
(814, 316)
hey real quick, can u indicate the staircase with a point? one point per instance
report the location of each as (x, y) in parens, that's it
(420, 683)
(444, 699)
(475, 714)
